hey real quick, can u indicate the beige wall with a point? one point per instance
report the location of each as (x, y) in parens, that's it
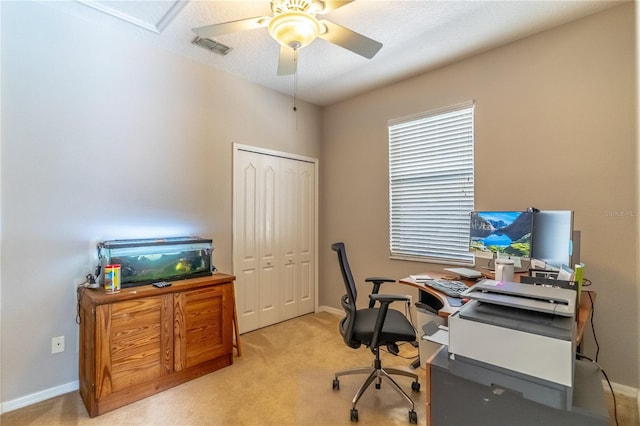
(638, 171)
(102, 138)
(555, 129)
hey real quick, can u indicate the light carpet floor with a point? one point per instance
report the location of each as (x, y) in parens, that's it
(283, 377)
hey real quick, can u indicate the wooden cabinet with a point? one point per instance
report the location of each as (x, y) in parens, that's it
(144, 340)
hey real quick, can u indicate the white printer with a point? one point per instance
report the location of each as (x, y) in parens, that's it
(520, 334)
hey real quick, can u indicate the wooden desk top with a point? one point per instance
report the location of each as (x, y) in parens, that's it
(99, 297)
(585, 308)
(447, 308)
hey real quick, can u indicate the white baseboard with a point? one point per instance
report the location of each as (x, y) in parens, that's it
(331, 310)
(39, 396)
(621, 389)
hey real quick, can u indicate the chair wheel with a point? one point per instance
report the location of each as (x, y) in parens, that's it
(413, 417)
(354, 415)
(377, 385)
(415, 386)
(336, 384)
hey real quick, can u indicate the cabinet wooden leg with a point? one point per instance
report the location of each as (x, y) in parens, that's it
(236, 343)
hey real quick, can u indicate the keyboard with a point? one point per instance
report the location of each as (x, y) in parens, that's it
(450, 288)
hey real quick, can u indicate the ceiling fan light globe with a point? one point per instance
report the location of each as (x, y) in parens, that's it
(294, 29)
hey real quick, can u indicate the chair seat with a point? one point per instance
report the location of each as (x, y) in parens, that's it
(396, 327)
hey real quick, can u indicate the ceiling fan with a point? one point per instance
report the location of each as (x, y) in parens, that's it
(294, 25)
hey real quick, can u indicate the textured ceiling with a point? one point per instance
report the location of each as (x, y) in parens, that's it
(417, 35)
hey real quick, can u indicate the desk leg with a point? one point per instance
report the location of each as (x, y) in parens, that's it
(427, 390)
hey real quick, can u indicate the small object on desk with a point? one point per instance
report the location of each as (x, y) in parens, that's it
(465, 272)
(420, 278)
(161, 284)
(451, 277)
(450, 288)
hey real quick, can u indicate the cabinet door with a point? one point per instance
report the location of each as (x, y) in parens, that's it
(134, 343)
(202, 325)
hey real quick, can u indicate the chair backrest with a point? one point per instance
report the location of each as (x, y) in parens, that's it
(348, 301)
(349, 282)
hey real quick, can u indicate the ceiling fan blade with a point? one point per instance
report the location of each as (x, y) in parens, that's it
(351, 40)
(214, 30)
(330, 5)
(288, 61)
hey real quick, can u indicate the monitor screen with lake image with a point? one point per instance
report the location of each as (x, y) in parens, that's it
(507, 233)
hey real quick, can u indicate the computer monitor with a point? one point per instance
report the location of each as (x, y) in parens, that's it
(554, 239)
(502, 233)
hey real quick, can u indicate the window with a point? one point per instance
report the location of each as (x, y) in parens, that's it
(431, 185)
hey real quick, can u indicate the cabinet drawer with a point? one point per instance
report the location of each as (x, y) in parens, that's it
(136, 345)
(201, 326)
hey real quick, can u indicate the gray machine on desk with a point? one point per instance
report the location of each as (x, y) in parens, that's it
(519, 337)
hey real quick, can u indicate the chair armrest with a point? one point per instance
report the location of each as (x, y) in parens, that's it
(385, 300)
(377, 282)
(388, 298)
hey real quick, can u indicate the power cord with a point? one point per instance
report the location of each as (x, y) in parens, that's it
(613, 394)
(385, 349)
(415, 342)
(90, 280)
(394, 348)
(587, 283)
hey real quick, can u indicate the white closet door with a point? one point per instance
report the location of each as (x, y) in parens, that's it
(274, 238)
(288, 233)
(246, 240)
(297, 238)
(268, 212)
(306, 242)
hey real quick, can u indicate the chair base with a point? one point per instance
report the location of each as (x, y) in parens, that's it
(377, 373)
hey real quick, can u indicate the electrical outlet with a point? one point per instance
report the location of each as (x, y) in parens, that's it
(57, 344)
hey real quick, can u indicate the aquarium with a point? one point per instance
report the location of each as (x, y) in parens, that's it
(144, 261)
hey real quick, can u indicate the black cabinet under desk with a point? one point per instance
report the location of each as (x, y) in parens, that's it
(455, 400)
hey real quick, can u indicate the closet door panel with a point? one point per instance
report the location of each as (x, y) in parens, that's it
(306, 237)
(246, 240)
(288, 234)
(269, 240)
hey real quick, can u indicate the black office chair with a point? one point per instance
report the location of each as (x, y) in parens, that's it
(373, 327)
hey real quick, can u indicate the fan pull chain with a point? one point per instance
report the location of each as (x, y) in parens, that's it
(295, 85)
(295, 78)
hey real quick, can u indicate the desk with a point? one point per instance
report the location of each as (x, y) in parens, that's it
(585, 308)
(447, 392)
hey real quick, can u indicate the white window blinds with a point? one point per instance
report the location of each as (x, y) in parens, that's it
(431, 185)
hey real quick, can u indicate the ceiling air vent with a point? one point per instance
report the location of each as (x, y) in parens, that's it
(214, 46)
